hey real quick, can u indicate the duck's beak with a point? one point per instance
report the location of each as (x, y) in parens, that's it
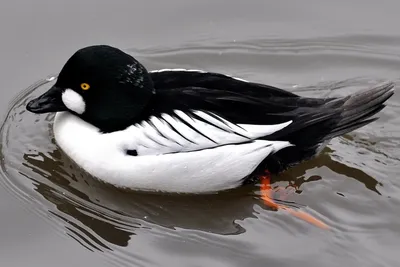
(48, 102)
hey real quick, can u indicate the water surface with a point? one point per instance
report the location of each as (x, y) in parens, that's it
(54, 214)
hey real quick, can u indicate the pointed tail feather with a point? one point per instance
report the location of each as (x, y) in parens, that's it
(358, 109)
(335, 117)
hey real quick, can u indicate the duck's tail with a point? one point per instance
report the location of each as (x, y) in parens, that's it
(334, 117)
(338, 117)
(358, 109)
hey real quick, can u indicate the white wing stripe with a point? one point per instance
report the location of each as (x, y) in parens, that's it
(153, 133)
(237, 129)
(163, 127)
(213, 121)
(190, 131)
(157, 125)
(263, 130)
(172, 132)
(184, 130)
(198, 126)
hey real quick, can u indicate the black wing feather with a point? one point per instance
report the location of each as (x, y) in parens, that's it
(166, 80)
(315, 120)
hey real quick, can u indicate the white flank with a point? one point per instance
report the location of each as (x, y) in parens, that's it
(206, 164)
(73, 101)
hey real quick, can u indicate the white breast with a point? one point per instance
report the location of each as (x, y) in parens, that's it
(201, 166)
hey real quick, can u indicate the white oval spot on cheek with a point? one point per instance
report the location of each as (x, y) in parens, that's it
(73, 101)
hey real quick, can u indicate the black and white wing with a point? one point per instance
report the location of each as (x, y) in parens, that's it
(185, 131)
(194, 110)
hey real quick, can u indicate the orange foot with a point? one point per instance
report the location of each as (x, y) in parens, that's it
(266, 195)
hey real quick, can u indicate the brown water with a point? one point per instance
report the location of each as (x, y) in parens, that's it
(53, 214)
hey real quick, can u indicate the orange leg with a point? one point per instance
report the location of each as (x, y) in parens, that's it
(266, 195)
(266, 192)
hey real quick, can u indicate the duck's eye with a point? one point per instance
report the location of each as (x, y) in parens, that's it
(85, 86)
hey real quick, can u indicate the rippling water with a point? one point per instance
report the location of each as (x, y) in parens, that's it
(353, 185)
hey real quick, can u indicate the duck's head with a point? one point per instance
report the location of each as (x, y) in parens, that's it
(102, 85)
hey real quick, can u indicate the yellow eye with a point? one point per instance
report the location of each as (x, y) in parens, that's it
(85, 86)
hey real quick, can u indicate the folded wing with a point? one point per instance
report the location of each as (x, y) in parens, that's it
(185, 131)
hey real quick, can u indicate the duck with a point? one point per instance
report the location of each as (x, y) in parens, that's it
(189, 131)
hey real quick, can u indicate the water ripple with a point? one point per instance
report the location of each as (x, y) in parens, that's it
(346, 186)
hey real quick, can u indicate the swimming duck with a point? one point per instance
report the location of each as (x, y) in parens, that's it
(190, 131)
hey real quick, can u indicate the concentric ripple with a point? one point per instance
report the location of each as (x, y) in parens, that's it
(340, 187)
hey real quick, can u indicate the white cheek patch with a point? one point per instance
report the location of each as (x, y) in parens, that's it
(73, 101)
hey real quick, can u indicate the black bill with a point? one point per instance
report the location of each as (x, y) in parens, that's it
(48, 102)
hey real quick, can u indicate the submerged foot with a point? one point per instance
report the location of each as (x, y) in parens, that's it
(266, 195)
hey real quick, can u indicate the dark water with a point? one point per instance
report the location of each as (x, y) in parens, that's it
(53, 214)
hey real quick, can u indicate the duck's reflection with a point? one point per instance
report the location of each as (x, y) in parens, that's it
(115, 214)
(72, 202)
(102, 213)
(297, 175)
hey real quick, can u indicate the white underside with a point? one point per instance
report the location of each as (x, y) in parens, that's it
(208, 170)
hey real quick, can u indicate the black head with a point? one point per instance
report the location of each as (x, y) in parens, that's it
(101, 84)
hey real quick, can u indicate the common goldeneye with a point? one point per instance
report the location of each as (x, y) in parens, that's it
(190, 131)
